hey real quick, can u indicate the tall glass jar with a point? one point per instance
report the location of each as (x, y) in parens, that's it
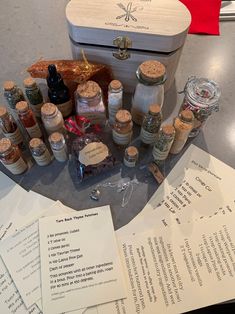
(163, 144)
(202, 98)
(149, 90)
(39, 152)
(34, 95)
(122, 128)
(58, 146)
(151, 125)
(52, 119)
(10, 157)
(13, 95)
(115, 97)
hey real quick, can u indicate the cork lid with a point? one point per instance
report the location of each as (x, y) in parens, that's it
(35, 142)
(152, 70)
(88, 89)
(115, 84)
(3, 112)
(8, 85)
(123, 116)
(5, 145)
(56, 137)
(29, 82)
(154, 109)
(187, 115)
(132, 151)
(168, 129)
(22, 106)
(48, 109)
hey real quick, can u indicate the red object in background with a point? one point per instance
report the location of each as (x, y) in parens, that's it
(205, 16)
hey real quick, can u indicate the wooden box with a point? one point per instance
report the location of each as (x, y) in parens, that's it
(126, 33)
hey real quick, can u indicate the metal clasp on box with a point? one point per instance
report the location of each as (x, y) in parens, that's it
(123, 43)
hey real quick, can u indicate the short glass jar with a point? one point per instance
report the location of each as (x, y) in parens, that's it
(58, 146)
(122, 128)
(202, 98)
(149, 90)
(13, 95)
(131, 156)
(151, 125)
(39, 152)
(52, 119)
(34, 95)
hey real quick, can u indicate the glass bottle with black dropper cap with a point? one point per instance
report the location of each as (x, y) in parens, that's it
(58, 92)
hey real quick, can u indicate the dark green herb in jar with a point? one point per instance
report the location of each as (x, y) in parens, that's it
(34, 95)
(151, 125)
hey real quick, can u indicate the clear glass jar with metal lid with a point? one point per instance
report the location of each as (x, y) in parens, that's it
(151, 125)
(34, 95)
(39, 152)
(58, 146)
(13, 95)
(115, 98)
(202, 98)
(122, 128)
(52, 119)
(149, 90)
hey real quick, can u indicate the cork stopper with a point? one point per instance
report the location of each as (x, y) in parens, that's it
(29, 82)
(123, 116)
(35, 143)
(5, 145)
(22, 106)
(3, 112)
(115, 84)
(132, 151)
(168, 129)
(152, 70)
(154, 109)
(187, 115)
(48, 109)
(88, 89)
(56, 137)
(8, 85)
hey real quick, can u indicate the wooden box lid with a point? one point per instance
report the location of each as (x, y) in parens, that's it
(155, 25)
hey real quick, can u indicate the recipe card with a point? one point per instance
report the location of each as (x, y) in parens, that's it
(80, 263)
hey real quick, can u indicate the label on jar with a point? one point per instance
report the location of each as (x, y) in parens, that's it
(65, 108)
(60, 155)
(37, 109)
(122, 139)
(34, 131)
(129, 164)
(17, 167)
(44, 159)
(15, 137)
(160, 155)
(147, 137)
(93, 153)
(51, 128)
(95, 117)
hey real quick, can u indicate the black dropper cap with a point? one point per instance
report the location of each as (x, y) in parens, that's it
(54, 78)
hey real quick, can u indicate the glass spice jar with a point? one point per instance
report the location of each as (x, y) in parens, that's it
(13, 95)
(151, 125)
(10, 157)
(34, 95)
(39, 152)
(149, 90)
(183, 125)
(131, 156)
(9, 128)
(202, 98)
(115, 97)
(52, 119)
(163, 144)
(89, 102)
(122, 128)
(58, 146)
(28, 119)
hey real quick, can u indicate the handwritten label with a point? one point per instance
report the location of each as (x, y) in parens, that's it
(93, 153)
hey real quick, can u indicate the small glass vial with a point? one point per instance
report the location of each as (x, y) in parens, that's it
(28, 119)
(151, 125)
(115, 97)
(13, 95)
(131, 156)
(39, 152)
(149, 90)
(34, 95)
(122, 128)
(202, 98)
(10, 156)
(9, 128)
(163, 144)
(58, 146)
(52, 119)
(183, 125)
(89, 102)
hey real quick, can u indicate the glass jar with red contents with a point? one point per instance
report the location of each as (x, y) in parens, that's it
(28, 119)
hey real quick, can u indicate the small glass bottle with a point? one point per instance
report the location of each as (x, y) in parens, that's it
(52, 119)
(58, 146)
(34, 95)
(202, 98)
(58, 92)
(10, 156)
(183, 125)
(89, 102)
(115, 97)
(9, 128)
(149, 90)
(28, 119)
(13, 95)
(39, 152)
(122, 128)
(131, 156)
(163, 144)
(151, 125)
